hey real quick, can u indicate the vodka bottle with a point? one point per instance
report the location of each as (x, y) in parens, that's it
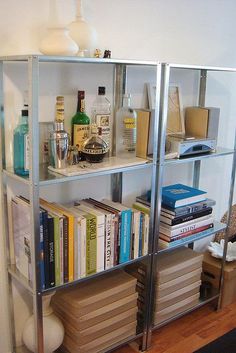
(126, 122)
(101, 112)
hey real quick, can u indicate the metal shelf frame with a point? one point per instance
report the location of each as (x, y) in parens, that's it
(34, 181)
(196, 161)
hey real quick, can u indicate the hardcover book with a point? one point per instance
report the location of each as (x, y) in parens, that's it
(177, 195)
(187, 209)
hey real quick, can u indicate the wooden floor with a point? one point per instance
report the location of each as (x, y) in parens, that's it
(192, 331)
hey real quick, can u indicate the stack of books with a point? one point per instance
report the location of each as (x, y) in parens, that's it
(99, 313)
(185, 212)
(80, 239)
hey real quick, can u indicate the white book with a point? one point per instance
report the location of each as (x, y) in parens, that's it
(79, 243)
(83, 206)
(135, 233)
(145, 234)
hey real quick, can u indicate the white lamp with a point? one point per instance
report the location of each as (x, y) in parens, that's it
(83, 33)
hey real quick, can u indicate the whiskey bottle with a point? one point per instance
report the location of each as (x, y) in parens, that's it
(21, 144)
(80, 123)
(101, 112)
(126, 129)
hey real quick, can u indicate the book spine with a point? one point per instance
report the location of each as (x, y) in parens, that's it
(100, 242)
(46, 248)
(140, 234)
(56, 250)
(51, 252)
(65, 246)
(108, 262)
(146, 234)
(61, 251)
(42, 274)
(126, 219)
(83, 241)
(116, 240)
(76, 247)
(91, 245)
(71, 248)
(136, 229)
(188, 208)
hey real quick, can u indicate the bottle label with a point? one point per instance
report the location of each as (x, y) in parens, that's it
(103, 121)
(129, 134)
(81, 133)
(26, 152)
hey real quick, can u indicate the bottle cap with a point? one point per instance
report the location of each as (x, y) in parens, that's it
(101, 90)
(25, 112)
(60, 99)
(81, 94)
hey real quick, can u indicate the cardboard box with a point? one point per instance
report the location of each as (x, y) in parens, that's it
(202, 121)
(177, 296)
(99, 315)
(211, 273)
(82, 337)
(177, 263)
(178, 283)
(89, 296)
(102, 343)
(176, 309)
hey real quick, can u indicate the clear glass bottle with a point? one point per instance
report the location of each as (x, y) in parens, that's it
(94, 148)
(80, 129)
(126, 124)
(21, 144)
(101, 112)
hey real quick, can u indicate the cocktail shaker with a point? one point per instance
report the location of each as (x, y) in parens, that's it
(59, 146)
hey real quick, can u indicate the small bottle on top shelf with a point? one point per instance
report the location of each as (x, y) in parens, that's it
(126, 122)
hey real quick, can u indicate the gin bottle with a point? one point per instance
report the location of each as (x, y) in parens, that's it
(80, 123)
(126, 121)
(21, 144)
(101, 112)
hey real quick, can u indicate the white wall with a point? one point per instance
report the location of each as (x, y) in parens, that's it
(183, 31)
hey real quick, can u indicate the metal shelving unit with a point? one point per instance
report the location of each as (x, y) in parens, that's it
(196, 163)
(40, 176)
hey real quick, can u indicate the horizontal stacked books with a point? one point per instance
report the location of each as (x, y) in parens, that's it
(185, 212)
(177, 283)
(78, 240)
(99, 313)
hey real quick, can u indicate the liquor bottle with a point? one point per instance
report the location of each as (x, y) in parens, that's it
(126, 122)
(94, 148)
(80, 123)
(59, 138)
(21, 144)
(101, 112)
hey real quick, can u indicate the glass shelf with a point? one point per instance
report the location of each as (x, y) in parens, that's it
(214, 296)
(76, 59)
(220, 152)
(218, 226)
(111, 166)
(13, 271)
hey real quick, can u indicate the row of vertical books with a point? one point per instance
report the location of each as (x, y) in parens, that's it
(78, 240)
(185, 213)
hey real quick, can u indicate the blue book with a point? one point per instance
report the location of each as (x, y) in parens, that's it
(178, 195)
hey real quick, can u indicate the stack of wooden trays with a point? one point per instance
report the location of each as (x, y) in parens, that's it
(99, 313)
(177, 283)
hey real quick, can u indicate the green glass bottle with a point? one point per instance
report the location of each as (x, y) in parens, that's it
(80, 129)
